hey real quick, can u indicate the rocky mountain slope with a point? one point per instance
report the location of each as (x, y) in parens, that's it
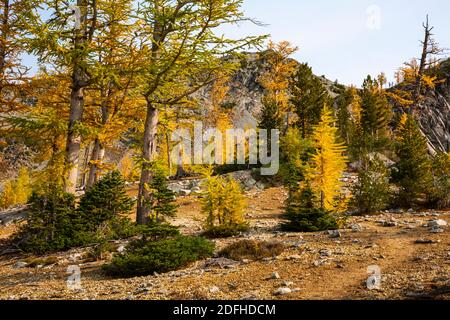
(435, 113)
(245, 91)
(245, 96)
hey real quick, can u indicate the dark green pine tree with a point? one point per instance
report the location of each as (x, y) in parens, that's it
(271, 117)
(304, 216)
(48, 227)
(308, 97)
(106, 200)
(162, 203)
(371, 192)
(413, 172)
(440, 195)
(344, 116)
(375, 116)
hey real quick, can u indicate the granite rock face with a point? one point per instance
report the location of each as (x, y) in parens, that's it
(245, 91)
(434, 113)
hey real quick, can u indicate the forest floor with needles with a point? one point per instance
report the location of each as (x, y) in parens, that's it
(413, 262)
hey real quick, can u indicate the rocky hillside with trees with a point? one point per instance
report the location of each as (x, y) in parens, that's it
(246, 93)
(108, 176)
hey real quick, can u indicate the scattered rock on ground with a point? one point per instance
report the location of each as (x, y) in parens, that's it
(19, 265)
(214, 289)
(356, 227)
(219, 263)
(334, 233)
(282, 291)
(438, 223)
(275, 276)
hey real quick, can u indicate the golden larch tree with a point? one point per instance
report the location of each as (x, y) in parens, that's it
(328, 163)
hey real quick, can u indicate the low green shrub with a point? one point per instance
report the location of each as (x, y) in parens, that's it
(251, 249)
(157, 231)
(143, 257)
(226, 231)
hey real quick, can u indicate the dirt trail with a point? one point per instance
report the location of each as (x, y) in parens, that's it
(315, 266)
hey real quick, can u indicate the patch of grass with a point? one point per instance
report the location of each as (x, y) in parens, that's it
(253, 250)
(34, 262)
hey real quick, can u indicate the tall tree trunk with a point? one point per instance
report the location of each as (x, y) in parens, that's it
(73, 137)
(288, 122)
(181, 173)
(3, 41)
(79, 78)
(97, 155)
(98, 152)
(87, 151)
(150, 131)
(303, 121)
(169, 158)
(423, 61)
(168, 144)
(148, 152)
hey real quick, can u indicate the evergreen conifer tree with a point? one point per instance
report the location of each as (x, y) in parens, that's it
(49, 224)
(412, 172)
(162, 201)
(349, 116)
(271, 116)
(308, 97)
(303, 215)
(376, 115)
(371, 191)
(104, 201)
(440, 197)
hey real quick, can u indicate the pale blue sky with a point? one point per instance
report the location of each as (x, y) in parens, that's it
(334, 37)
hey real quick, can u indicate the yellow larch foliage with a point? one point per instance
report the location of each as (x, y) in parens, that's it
(127, 168)
(220, 118)
(403, 120)
(223, 201)
(23, 186)
(7, 198)
(281, 68)
(355, 107)
(16, 192)
(406, 78)
(328, 163)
